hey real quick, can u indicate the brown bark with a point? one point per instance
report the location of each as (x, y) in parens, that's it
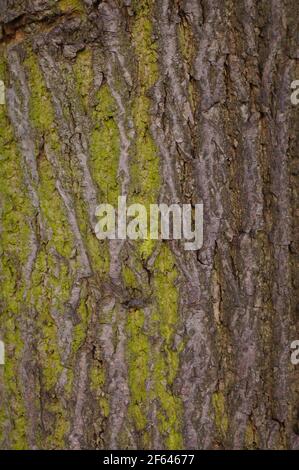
(128, 344)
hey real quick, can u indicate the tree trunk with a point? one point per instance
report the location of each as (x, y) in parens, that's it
(142, 344)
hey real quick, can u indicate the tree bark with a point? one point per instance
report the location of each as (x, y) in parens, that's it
(141, 344)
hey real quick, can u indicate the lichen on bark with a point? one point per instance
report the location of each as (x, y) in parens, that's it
(140, 344)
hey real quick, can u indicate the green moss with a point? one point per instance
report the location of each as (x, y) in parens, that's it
(145, 164)
(84, 75)
(80, 330)
(54, 212)
(145, 167)
(104, 159)
(135, 279)
(15, 212)
(98, 250)
(97, 377)
(221, 419)
(61, 427)
(16, 409)
(41, 111)
(100, 153)
(50, 289)
(138, 358)
(164, 321)
(99, 254)
(145, 46)
(129, 278)
(51, 280)
(144, 188)
(105, 147)
(47, 293)
(70, 5)
(97, 383)
(69, 383)
(42, 118)
(104, 406)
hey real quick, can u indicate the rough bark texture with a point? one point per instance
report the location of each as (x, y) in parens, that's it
(143, 344)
